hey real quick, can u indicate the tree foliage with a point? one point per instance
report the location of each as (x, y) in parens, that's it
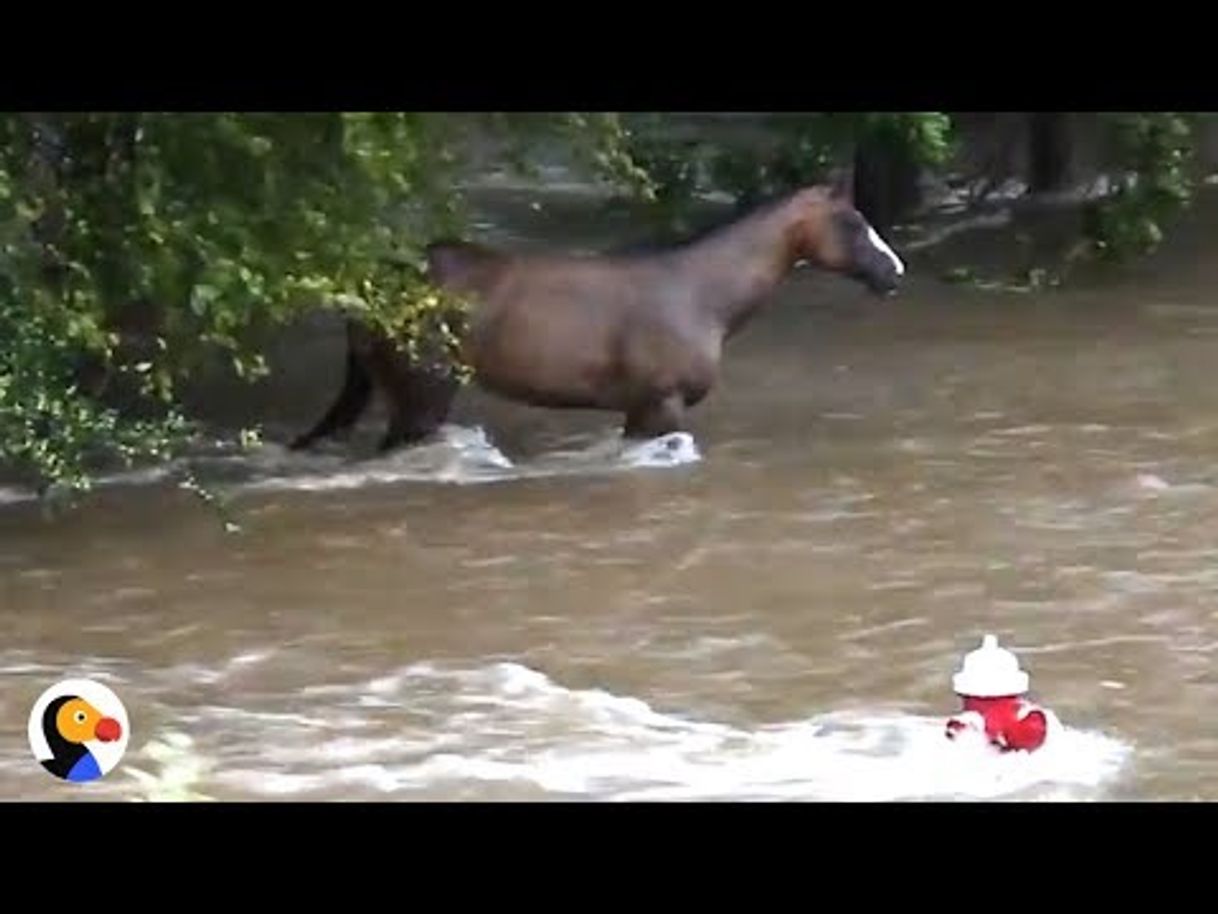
(799, 149)
(135, 248)
(1153, 158)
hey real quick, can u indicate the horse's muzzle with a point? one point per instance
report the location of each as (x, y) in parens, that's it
(882, 286)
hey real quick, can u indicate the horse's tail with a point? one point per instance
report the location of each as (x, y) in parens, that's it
(350, 404)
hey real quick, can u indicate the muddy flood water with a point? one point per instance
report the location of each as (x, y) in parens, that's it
(768, 608)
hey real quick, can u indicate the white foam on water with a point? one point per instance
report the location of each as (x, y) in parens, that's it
(466, 456)
(510, 731)
(1152, 482)
(458, 456)
(672, 450)
(10, 495)
(177, 772)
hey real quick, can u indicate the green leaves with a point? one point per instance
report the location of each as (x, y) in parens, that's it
(136, 247)
(927, 134)
(803, 149)
(1153, 152)
(155, 239)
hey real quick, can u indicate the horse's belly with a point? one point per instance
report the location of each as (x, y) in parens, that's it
(546, 372)
(539, 389)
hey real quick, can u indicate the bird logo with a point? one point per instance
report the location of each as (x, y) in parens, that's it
(78, 730)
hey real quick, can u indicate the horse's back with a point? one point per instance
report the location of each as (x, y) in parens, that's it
(463, 265)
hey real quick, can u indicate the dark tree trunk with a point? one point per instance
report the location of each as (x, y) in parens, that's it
(885, 180)
(1049, 151)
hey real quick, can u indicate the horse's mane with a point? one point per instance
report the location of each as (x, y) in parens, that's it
(447, 254)
(736, 215)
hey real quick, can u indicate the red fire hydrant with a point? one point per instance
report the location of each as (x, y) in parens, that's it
(992, 687)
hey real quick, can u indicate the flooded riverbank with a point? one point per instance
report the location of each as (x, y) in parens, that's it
(768, 608)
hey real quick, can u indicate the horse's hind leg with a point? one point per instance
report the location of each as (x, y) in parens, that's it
(347, 408)
(656, 418)
(419, 403)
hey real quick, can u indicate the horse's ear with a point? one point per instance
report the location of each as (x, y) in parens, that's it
(841, 183)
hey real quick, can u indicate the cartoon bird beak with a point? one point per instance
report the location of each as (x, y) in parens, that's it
(108, 730)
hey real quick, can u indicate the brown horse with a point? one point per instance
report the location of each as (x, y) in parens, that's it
(640, 334)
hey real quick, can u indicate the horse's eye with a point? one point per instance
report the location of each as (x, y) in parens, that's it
(852, 221)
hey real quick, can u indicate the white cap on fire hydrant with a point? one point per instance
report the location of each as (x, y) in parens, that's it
(990, 672)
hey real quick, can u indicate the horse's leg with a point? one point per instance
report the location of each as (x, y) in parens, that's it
(656, 418)
(347, 408)
(419, 403)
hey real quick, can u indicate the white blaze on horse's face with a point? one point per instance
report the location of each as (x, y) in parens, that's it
(882, 246)
(869, 258)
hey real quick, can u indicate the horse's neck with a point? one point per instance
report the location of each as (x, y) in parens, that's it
(740, 265)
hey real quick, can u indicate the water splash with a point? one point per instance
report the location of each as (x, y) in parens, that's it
(466, 456)
(457, 456)
(509, 730)
(671, 450)
(11, 495)
(180, 770)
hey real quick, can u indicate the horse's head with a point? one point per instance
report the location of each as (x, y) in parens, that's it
(829, 232)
